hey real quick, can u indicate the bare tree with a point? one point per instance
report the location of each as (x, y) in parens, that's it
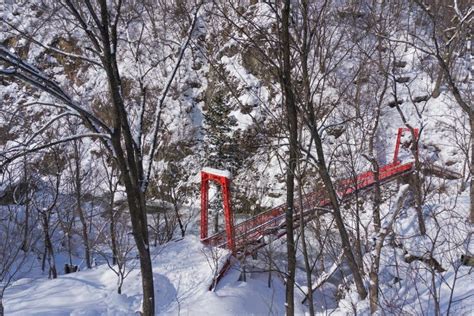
(111, 177)
(102, 24)
(376, 252)
(173, 189)
(315, 77)
(46, 205)
(13, 250)
(448, 40)
(217, 260)
(292, 122)
(122, 260)
(304, 245)
(76, 169)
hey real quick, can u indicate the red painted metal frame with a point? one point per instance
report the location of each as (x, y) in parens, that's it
(248, 234)
(229, 217)
(399, 138)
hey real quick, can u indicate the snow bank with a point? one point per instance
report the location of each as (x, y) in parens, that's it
(217, 172)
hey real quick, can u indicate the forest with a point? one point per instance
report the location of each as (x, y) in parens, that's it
(344, 130)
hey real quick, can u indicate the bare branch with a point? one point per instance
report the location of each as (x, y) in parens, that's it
(158, 112)
(44, 127)
(28, 73)
(26, 151)
(51, 48)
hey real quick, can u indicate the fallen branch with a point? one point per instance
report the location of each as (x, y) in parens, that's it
(427, 259)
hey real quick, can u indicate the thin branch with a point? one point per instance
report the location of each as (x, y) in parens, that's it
(44, 127)
(26, 151)
(156, 128)
(80, 19)
(51, 48)
(34, 76)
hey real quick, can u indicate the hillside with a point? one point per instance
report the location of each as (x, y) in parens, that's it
(110, 110)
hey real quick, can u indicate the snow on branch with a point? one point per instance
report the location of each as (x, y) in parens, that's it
(23, 151)
(324, 276)
(45, 126)
(51, 48)
(462, 19)
(158, 111)
(22, 70)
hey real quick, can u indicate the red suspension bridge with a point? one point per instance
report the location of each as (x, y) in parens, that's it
(248, 236)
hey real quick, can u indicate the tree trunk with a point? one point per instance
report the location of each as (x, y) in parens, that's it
(291, 114)
(471, 192)
(113, 238)
(137, 213)
(357, 242)
(180, 222)
(49, 246)
(85, 237)
(112, 217)
(377, 198)
(25, 245)
(346, 245)
(157, 228)
(69, 245)
(304, 246)
(43, 260)
(417, 187)
(80, 211)
(136, 203)
(374, 277)
(121, 278)
(2, 310)
(418, 197)
(439, 80)
(270, 265)
(375, 264)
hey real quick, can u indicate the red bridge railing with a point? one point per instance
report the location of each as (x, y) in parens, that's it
(250, 231)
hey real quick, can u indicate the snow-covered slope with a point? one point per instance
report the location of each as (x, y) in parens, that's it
(182, 275)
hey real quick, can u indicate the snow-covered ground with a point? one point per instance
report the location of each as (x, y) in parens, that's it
(182, 276)
(183, 271)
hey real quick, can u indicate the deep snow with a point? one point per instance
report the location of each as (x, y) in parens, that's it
(182, 276)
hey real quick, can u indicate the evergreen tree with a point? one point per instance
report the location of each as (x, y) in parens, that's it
(221, 146)
(221, 142)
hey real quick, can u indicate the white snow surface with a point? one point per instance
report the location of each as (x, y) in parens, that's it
(182, 276)
(221, 173)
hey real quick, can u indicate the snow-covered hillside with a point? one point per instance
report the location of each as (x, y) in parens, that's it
(110, 109)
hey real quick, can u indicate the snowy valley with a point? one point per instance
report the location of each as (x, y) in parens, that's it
(339, 136)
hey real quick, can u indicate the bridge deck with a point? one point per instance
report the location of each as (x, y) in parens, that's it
(249, 233)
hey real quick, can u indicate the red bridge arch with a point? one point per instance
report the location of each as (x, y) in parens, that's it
(223, 178)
